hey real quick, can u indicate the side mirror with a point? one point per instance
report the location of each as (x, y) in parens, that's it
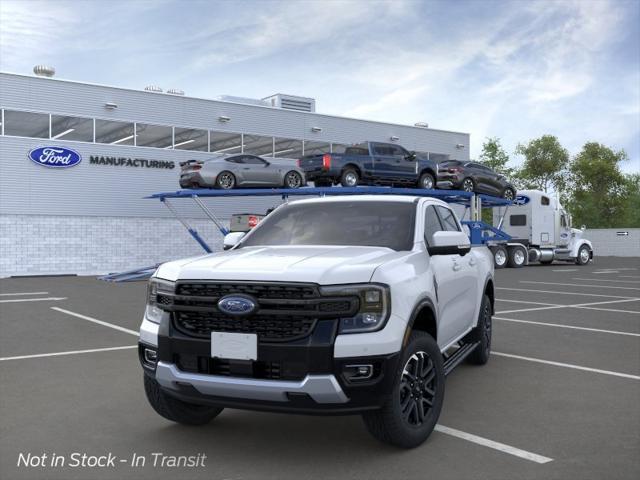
(232, 239)
(412, 156)
(449, 243)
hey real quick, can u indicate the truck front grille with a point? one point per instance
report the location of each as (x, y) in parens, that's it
(285, 311)
(270, 328)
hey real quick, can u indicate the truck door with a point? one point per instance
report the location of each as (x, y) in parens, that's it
(455, 279)
(565, 230)
(391, 163)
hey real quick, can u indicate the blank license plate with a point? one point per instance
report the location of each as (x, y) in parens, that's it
(234, 346)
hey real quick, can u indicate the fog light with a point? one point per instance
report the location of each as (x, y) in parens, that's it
(150, 356)
(358, 372)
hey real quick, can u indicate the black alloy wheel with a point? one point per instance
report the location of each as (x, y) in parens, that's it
(418, 388)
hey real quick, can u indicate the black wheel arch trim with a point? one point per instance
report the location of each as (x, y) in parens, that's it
(418, 307)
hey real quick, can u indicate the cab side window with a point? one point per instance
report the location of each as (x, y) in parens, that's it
(431, 224)
(448, 219)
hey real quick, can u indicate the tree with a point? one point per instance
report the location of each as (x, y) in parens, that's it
(630, 217)
(495, 157)
(545, 163)
(598, 191)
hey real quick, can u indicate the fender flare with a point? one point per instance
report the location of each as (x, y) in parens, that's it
(420, 304)
(580, 243)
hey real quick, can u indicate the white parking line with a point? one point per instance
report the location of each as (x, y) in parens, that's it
(525, 301)
(567, 270)
(95, 320)
(22, 293)
(485, 442)
(72, 352)
(606, 280)
(567, 365)
(629, 276)
(47, 299)
(588, 306)
(580, 285)
(598, 330)
(605, 271)
(528, 290)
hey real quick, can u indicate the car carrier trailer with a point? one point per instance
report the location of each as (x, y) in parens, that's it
(506, 250)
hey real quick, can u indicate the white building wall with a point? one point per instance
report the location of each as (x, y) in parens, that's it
(56, 245)
(613, 241)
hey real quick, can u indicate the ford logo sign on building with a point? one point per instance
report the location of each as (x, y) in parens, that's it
(55, 157)
(236, 305)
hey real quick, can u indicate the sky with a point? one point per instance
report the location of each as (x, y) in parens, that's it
(509, 69)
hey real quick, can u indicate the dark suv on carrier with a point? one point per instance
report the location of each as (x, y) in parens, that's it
(474, 177)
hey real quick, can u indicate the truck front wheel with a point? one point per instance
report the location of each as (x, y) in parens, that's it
(176, 410)
(584, 255)
(410, 414)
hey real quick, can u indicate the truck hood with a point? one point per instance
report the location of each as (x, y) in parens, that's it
(324, 265)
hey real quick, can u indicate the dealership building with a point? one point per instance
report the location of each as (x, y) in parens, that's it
(91, 217)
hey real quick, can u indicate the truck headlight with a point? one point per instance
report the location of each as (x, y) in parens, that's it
(375, 306)
(155, 290)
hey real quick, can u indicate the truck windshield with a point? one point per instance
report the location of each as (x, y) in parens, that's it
(376, 224)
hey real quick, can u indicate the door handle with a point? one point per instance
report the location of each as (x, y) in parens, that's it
(456, 267)
(472, 262)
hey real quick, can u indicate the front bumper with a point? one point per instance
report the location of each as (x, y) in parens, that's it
(301, 376)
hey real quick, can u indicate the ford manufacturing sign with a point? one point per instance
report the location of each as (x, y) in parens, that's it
(55, 157)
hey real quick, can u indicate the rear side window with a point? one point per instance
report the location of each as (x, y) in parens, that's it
(431, 224)
(518, 220)
(544, 200)
(235, 159)
(356, 151)
(449, 222)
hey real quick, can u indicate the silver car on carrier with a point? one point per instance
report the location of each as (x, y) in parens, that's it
(243, 170)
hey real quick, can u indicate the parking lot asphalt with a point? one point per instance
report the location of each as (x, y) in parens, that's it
(559, 398)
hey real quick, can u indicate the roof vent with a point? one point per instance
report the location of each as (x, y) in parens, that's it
(292, 102)
(44, 71)
(175, 91)
(153, 88)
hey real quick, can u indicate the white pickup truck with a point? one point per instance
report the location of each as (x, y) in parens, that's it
(338, 305)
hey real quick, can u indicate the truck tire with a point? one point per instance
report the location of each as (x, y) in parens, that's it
(349, 177)
(482, 334)
(584, 255)
(500, 256)
(410, 414)
(517, 257)
(176, 410)
(225, 180)
(427, 181)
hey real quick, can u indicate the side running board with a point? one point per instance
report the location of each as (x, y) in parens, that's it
(453, 360)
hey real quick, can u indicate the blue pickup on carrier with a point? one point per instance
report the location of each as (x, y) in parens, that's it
(371, 163)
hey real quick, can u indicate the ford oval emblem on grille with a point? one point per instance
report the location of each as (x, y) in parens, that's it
(236, 305)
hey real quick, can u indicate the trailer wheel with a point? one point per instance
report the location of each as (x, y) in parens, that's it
(584, 255)
(517, 257)
(500, 256)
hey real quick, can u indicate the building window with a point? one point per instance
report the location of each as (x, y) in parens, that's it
(71, 128)
(225, 143)
(316, 148)
(287, 148)
(26, 124)
(157, 136)
(191, 139)
(115, 133)
(258, 145)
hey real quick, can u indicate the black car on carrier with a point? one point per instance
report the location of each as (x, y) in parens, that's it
(474, 177)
